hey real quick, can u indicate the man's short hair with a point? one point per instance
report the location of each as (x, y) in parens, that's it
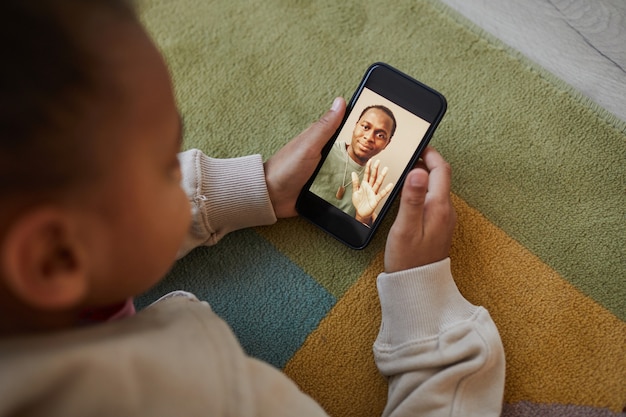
(387, 111)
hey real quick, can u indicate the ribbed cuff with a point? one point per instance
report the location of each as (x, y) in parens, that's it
(236, 193)
(226, 194)
(419, 303)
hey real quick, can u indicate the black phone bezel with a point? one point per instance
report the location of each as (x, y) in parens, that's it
(405, 91)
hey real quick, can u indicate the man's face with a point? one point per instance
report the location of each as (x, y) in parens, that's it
(371, 135)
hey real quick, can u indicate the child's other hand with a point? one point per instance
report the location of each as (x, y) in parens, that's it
(289, 169)
(422, 231)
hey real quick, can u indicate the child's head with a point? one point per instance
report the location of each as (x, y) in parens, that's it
(91, 208)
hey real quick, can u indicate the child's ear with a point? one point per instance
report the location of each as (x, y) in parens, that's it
(43, 261)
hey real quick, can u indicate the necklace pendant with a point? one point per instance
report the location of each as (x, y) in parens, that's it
(340, 192)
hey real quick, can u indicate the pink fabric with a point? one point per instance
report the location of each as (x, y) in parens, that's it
(127, 310)
(108, 313)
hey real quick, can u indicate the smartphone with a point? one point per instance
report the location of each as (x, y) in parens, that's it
(388, 123)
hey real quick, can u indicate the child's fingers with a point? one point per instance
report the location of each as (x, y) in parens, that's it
(440, 175)
(317, 134)
(410, 217)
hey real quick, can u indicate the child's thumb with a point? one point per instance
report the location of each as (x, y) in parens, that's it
(411, 211)
(323, 129)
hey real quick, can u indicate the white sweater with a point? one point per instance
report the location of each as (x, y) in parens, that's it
(442, 355)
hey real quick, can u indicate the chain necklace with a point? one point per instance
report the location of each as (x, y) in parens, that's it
(342, 187)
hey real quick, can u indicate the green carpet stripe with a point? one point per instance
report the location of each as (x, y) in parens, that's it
(331, 263)
(543, 163)
(543, 167)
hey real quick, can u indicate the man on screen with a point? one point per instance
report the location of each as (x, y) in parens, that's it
(350, 166)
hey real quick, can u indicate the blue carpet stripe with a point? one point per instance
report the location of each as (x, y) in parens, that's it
(264, 299)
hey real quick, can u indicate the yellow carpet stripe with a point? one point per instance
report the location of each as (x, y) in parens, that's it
(335, 365)
(561, 346)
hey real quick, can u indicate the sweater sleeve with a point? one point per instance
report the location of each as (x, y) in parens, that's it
(225, 195)
(442, 355)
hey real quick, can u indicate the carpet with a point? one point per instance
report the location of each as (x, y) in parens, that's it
(539, 184)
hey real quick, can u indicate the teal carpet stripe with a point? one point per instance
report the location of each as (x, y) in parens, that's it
(265, 299)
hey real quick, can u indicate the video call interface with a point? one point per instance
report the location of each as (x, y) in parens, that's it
(334, 180)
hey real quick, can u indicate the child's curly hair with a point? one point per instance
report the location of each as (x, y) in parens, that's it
(48, 72)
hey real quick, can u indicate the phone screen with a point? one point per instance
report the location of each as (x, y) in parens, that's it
(377, 130)
(390, 120)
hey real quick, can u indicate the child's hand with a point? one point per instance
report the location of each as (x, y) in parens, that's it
(289, 169)
(422, 231)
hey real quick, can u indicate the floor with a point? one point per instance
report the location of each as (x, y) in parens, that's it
(583, 42)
